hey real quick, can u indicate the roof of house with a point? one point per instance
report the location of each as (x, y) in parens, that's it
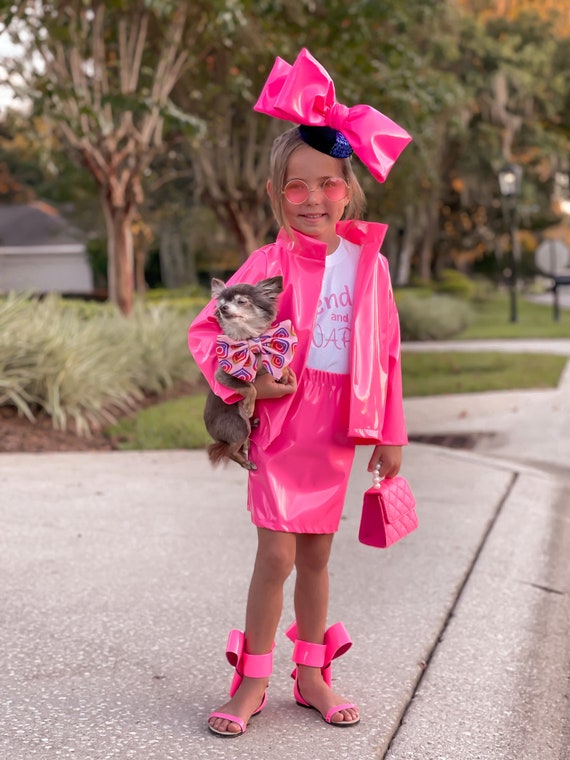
(35, 224)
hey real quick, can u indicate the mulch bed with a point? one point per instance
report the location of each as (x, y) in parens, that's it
(18, 434)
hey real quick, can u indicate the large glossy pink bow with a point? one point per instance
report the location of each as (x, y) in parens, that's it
(274, 349)
(304, 94)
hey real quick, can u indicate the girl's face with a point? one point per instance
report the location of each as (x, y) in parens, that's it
(318, 215)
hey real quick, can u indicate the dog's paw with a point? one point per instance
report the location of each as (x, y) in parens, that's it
(255, 423)
(248, 409)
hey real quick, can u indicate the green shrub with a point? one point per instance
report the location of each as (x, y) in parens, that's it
(484, 289)
(454, 283)
(186, 306)
(87, 371)
(167, 294)
(432, 317)
(188, 300)
(87, 309)
(18, 367)
(162, 356)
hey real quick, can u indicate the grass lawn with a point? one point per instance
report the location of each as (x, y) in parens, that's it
(178, 423)
(437, 373)
(534, 321)
(175, 424)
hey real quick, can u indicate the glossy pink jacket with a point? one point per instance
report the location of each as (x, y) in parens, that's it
(376, 406)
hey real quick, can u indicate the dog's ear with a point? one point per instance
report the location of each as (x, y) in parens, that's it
(217, 287)
(270, 287)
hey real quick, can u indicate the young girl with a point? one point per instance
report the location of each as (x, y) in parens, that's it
(344, 387)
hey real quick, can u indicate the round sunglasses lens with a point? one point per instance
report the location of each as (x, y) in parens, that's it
(335, 189)
(296, 191)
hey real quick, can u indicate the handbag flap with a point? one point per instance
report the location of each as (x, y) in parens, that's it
(396, 498)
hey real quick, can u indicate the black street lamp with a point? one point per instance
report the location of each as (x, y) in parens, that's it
(510, 182)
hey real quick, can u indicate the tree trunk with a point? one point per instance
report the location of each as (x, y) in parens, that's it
(407, 250)
(167, 258)
(177, 257)
(430, 232)
(120, 265)
(140, 261)
(249, 240)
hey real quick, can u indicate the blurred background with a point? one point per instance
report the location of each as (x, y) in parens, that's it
(133, 169)
(133, 122)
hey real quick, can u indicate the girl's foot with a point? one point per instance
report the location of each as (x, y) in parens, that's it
(317, 694)
(245, 702)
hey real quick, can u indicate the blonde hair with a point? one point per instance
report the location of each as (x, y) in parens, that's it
(283, 148)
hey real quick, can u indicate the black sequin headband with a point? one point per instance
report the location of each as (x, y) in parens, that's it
(326, 140)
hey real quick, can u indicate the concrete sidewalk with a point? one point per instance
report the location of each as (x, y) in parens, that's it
(122, 573)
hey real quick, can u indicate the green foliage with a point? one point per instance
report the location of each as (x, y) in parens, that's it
(17, 367)
(85, 310)
(484, 289)
(85, 369)
(162, 356)
(534, 320)
(436, 373)
(171, 425)
(432, 317)
(471, 88)
(508, 70)
(33, 156)
(454, 283)
(179, 424)
(189, 299)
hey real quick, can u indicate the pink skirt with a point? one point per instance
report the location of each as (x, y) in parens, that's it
(301, 478)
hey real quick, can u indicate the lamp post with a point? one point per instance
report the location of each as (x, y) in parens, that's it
(510, 182)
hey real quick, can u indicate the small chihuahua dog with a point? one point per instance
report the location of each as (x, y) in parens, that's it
(243, 311)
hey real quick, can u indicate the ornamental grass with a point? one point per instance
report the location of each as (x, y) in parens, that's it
(86, 368)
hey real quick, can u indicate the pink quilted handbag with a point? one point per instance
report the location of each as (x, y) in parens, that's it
(388, 513)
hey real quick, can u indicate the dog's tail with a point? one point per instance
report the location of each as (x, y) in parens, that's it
(218, 451)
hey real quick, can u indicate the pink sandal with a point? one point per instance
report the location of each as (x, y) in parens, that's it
(336, 643)
(245, 664)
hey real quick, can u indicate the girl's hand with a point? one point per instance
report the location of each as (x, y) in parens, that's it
(268, 387)
(390, 459)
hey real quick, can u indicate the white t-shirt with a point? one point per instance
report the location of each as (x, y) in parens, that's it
(330, 346)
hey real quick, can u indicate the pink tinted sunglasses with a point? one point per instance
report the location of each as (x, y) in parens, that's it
(297, 191)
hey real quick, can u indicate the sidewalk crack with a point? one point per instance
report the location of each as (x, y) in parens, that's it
(425, 664)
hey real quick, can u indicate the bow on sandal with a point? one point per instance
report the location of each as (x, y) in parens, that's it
(336, 643)
(245, 664)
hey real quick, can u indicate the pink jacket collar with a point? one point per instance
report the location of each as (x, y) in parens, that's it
(356, 231)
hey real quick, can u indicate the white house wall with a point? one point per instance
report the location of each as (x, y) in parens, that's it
(44, 269)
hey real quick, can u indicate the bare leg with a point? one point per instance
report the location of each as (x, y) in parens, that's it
(311, 605)
(273, 565)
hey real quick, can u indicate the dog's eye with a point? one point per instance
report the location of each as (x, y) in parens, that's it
(242, 300)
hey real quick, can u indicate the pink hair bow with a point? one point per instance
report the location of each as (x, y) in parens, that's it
(304, 94)
(274, 349)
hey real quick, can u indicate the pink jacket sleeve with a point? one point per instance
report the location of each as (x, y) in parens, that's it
(376, 413)
(394, 427)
